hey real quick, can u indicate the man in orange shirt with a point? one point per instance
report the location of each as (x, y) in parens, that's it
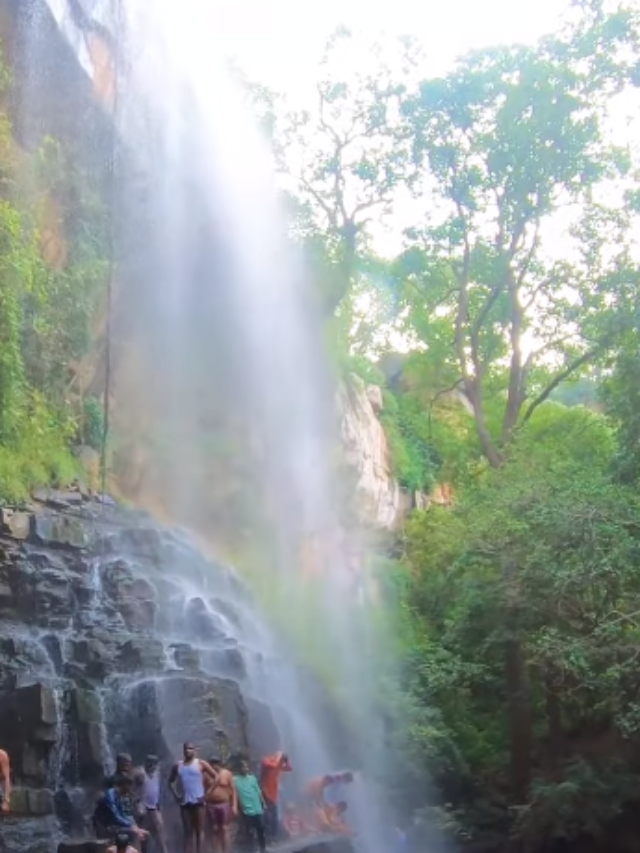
(272, 767)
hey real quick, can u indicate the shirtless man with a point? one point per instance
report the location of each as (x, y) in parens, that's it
(186, 783)
(5, 782)
(222, 806)
(315, 788)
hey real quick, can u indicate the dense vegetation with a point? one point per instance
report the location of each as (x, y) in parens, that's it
(515, 292)
(52, 276)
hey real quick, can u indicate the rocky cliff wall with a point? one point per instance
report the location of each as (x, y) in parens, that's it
(119, 635)
(381, 503)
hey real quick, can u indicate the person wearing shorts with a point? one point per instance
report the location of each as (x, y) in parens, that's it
(221, 803)
(187, 784)
(5, 782)
(148, 782)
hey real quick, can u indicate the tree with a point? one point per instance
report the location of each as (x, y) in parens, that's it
(344, 161)
(571, 604)
(511, 142)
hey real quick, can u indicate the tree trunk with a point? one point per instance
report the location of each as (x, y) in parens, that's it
(519, 720)
(554, 720)
(518, 697)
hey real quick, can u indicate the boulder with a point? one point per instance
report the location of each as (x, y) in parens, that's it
(80, 846)
(263, 735)
(133, 597)
(157, 715)
(40, 802)
(85, 705)
(36, 708)
(141, 654)
(185, 656)
(87, 749)
(15, 524)
(60, 531)
(58, 499)
(27, 835)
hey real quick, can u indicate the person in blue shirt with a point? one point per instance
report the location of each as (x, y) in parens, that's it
(252, 806)
(112, 817)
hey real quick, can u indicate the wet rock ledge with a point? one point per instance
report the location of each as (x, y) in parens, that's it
(115, 635)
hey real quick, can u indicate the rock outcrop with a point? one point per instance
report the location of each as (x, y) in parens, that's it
(381, 502)
(117, 635)
(366, 451)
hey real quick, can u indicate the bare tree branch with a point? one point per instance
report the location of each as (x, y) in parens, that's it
(571, 368)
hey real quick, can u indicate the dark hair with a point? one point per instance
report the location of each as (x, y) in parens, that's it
(151, 759)
(216, 760)
(122, 841)
(123, 756)
(188, 744)
(121, 780)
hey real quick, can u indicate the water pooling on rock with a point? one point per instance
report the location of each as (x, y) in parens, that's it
(118, 635)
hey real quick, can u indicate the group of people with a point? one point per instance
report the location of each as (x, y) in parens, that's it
(213, 798)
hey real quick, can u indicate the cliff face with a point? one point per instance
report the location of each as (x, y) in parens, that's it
(117, 636)
(381, 503)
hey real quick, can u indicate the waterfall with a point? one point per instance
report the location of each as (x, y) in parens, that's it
(214, 318)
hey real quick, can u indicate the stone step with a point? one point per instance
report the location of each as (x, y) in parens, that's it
(80, 846)
(313, 842)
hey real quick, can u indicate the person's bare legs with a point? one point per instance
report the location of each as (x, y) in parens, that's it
(225, 837)
(188, 828)
(211, 826)
(156, 828)
(199, 829)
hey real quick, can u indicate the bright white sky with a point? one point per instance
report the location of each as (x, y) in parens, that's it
(279, 42)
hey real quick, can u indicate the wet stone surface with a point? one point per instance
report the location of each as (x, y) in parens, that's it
(117, 636)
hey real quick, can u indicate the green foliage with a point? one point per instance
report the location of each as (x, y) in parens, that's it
(39, 453)
(505, 141)
(571, 600)
(93, 423)
(46, 314)
(586, 800)
(621, 396)
(415, 460)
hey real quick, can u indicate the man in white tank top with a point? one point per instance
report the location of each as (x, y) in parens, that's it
(187, 784)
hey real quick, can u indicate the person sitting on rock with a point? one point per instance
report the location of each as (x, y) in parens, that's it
(124, 767)
(5, 782)
(294, 824)
(330, 819)
(272, 767)
(110, 817)
(121, 845)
